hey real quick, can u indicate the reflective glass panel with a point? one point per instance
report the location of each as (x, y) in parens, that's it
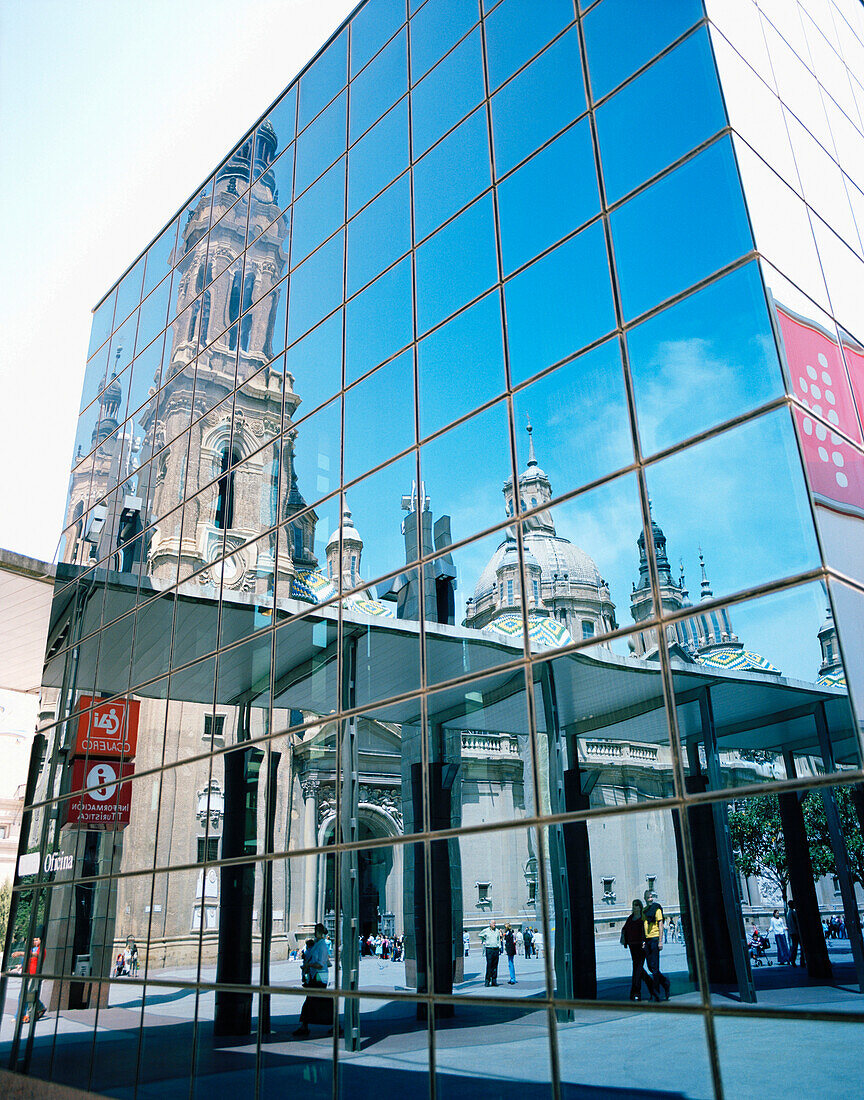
(379, 321)
(681, 229)
(559, 304)
(447, 94)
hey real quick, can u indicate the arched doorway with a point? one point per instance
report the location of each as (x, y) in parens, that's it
(378, 885)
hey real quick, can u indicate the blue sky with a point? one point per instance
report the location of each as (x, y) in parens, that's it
(112, 112)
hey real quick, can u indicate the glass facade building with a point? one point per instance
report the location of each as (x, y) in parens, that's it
(465, 538)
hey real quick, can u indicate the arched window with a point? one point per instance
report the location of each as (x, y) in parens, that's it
(193, 319)
(246, 323)
(205, 316)
(225, 500)
(233, 310)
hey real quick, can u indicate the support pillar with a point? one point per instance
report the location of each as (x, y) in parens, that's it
(350, 860)
(841, 856)
(801, 881)
(730, 902)
(570, 857)
(233, 1011)
(310, 789)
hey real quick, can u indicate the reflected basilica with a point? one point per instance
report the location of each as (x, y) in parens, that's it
(218, 511)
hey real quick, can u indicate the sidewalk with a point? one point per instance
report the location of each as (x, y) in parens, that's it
(615, 1053)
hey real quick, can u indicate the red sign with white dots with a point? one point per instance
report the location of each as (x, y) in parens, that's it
(818, 377)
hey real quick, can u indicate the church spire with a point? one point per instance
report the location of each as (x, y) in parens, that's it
(532, 457)
(707, 594)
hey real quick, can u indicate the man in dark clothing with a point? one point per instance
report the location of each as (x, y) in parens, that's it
(526, 940)
(794, 933)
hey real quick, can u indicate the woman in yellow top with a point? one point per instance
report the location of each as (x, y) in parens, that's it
(652, 918)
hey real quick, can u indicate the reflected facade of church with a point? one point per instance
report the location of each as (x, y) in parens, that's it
(404, 649)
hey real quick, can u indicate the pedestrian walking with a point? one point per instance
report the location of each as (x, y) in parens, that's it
(492, 949)
(466, 943)
(652, 920)
(31, 982)
(316, 964)
(510, 952)
(526, 940)
(794, 934)
(633, 938)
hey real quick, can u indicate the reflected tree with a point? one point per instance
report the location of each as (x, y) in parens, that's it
(820, 841)
(759, 847)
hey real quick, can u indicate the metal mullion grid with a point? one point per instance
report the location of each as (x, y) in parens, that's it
(340, 625)
(542, 895)
(647, 526)
(552, 1036)
(769, 298)
(204, 863)
(423, 826)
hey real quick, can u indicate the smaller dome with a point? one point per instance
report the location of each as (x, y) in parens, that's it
(543, 631)
(349, 531)
(737, 659)
(529, 559)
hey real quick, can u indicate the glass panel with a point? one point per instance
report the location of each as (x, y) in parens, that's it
(371, 27)
(461, 488)
(316, 287)
(320, 144)
(447, 94)
(620, 36)
(461, 365)
(101, 325)
(798, 913)
(377, 545)
(323, 79)
(465, 248)
(542, 99)
(435, 28)
(558, 186)
(379, 156)
(484, 895)
(652, 109)
(714, 351)
(129, 291)
(559, 304)
(313, 366)
(318, 212)
(276, 132)
(577, 420)
(379, 234)
(315, 457)
(741, 537)
(379, 321)
(451, 174)
(160, 256)
(518, 29)
(379, 85)
(379, 416)
(656, 233)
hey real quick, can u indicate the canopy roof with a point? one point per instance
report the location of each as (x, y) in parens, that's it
(598, 692)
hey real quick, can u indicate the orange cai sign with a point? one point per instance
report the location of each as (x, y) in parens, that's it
(107, 803)
(109, 729)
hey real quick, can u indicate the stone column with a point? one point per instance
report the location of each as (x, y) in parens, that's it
(310, 789)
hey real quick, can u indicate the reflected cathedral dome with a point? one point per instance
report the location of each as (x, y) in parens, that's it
(566, 594)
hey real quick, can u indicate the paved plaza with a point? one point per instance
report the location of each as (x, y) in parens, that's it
(482, 1051)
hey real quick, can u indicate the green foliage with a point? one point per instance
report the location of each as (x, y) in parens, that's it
(820, 840)
(760, 849)
(757, 840)
(5, 904)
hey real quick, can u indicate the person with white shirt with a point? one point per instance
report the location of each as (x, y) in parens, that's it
(777, 928)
